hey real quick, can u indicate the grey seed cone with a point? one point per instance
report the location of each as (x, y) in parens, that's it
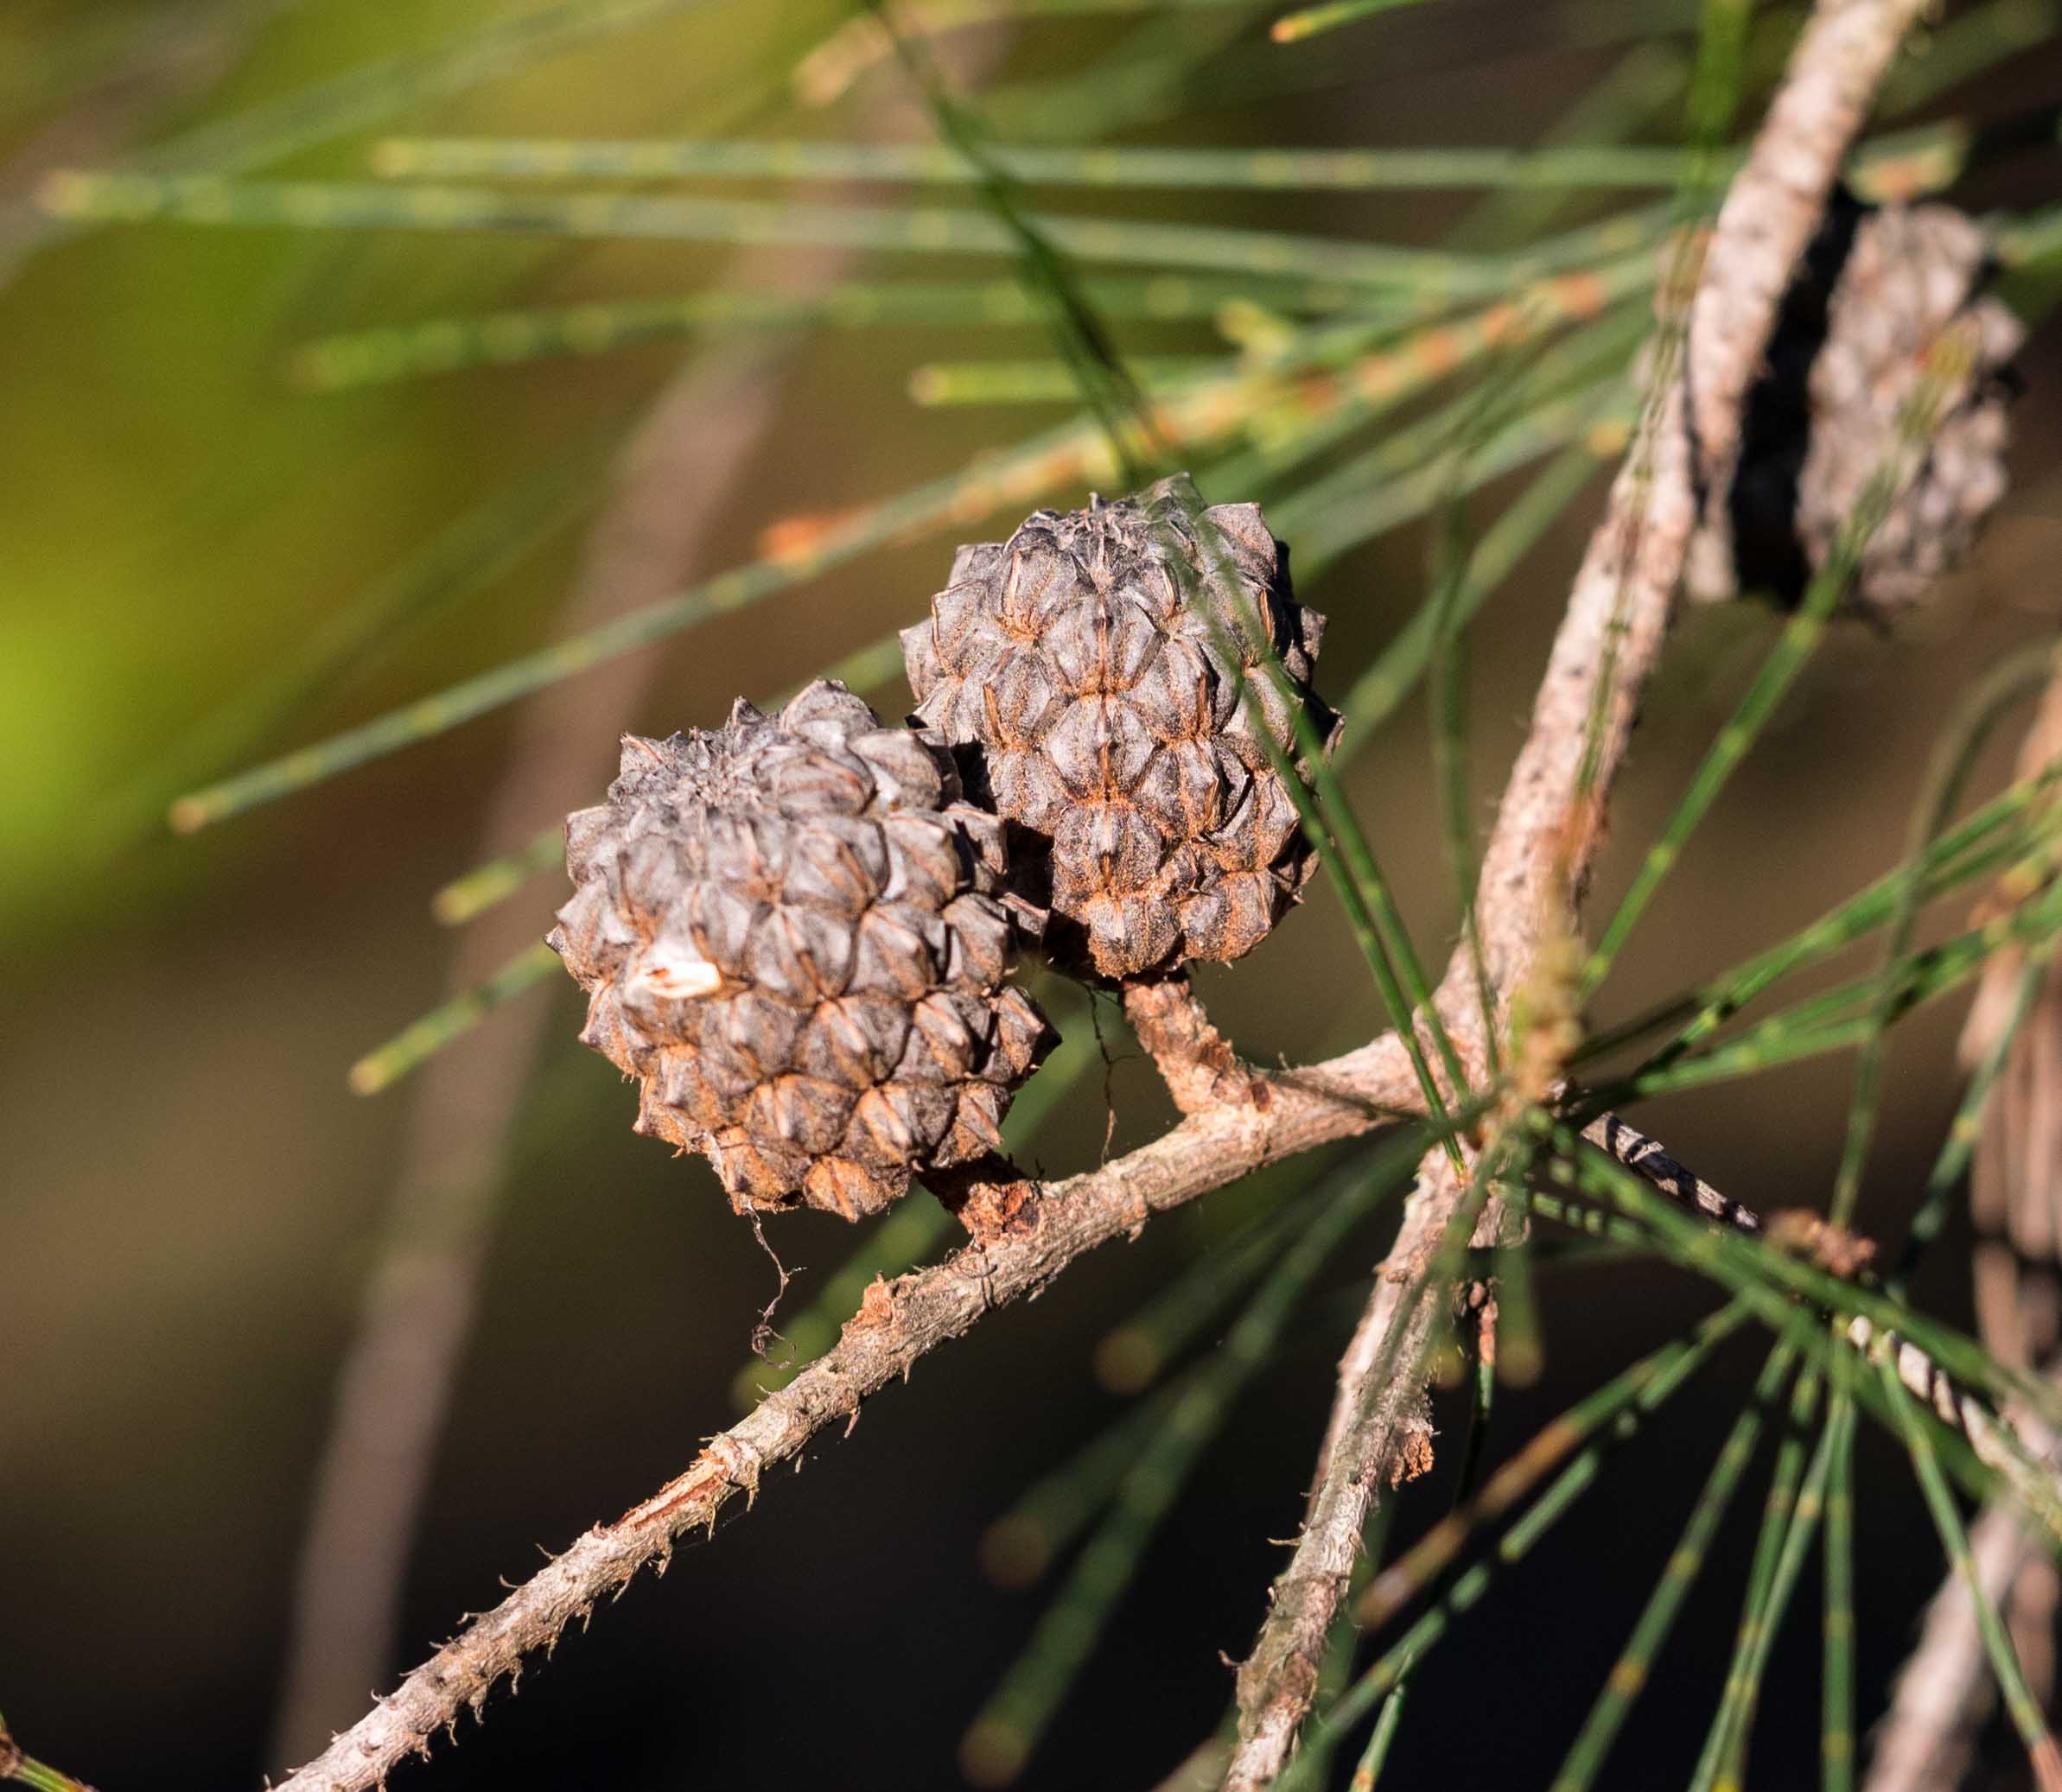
(1878, 289)
(793, 934)
(1088, 663)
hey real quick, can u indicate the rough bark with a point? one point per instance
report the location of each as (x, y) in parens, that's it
(1550, 825)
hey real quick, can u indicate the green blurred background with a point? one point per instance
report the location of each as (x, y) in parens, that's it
(191, 1196)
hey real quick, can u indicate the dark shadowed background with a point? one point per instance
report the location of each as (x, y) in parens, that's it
(190, 1194)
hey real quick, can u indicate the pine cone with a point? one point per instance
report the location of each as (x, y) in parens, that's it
(791, 934)
(1087, 661)
(1877, 289)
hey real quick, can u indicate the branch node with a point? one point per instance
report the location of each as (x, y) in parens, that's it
(1196, 1061)
(989, 1197)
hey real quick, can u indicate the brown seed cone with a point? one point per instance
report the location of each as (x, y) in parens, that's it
(1878, 289)
(1089, 662)
(792, 935)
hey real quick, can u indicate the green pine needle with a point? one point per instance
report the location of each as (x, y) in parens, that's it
(1966, 1126)
(2018, 676)
(1789, 1523)
(1265, 170)
(1772, 1280)
(424, 1037)
(1837, 1707)
(1630, 1673)
(1426, 278)
(2005, 830)
(1293, 27)
(2020, 1702)
(1376, 1755)
(503, 338)
(1632, 1397)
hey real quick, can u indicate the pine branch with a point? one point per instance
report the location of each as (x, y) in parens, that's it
(1549, 827)
(1381, 1428)
(1539, 857)
(1195, 1060)
(898, 1323)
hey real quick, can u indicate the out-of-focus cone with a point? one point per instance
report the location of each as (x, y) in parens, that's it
(1880, 286)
